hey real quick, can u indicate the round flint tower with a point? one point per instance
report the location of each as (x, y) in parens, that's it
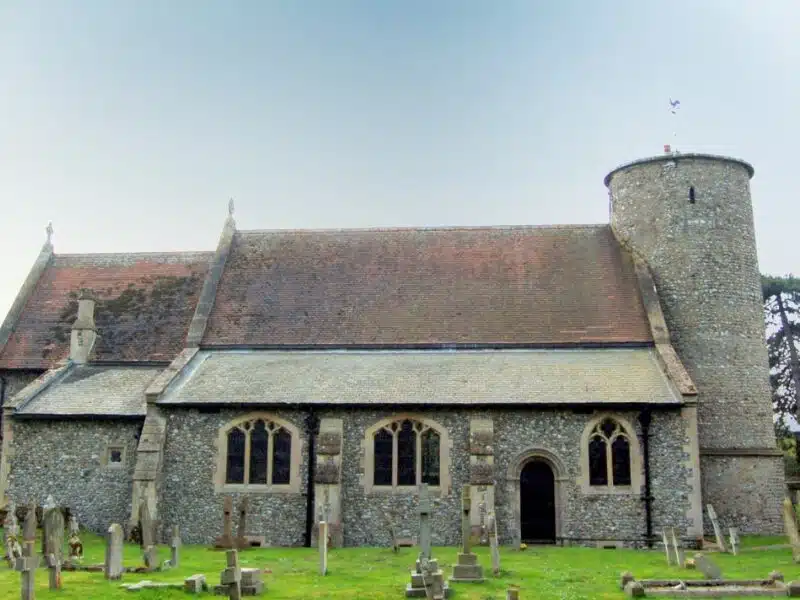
(690, 217)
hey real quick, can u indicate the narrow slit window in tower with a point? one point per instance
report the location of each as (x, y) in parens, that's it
(691, 195)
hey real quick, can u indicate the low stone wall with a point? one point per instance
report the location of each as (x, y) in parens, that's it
(66, 459)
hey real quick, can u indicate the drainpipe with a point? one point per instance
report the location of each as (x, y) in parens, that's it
(2, 402)
(645, 417)
(312, 429)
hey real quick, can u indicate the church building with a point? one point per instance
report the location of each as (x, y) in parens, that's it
(592, 384)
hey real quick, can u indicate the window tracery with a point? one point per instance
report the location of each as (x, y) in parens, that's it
(609, 454)
(258, 452)
(406, 452)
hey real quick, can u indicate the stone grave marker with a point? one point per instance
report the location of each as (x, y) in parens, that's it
(174, 547)
(28, 562)
(12, 549)
(390, 520)
(494, 546)
(231, 577)
(322, 539)
(790, 525)
(427, 580)
(72, 525)
(49, 504)
(512, 593)
(677, 551)
(53, 524)
(113, 563)
(467, 568)
(712, 514)
(707, 567)
(195, 584)
(226, 539)
(667, 547)
(150, 551)
(734, 538)
(54, 570)
(241, 532)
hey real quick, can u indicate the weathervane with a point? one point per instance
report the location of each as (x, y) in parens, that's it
(674, 105)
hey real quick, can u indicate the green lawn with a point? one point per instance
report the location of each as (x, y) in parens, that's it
(543, 573)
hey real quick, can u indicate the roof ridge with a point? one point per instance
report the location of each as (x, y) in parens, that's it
(425, 228)
(129, 254)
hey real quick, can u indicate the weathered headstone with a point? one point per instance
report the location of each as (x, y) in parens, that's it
(467, 568)
(226, 539)
(195, 584)
(241, 532)
(734, 538)
(390, 517)
(174, 547)
(677, 551)
(53, 535)
(113, 562)
(322, 539)
(427, 580)
(54, 571)
(231, 577)
(512, 593)
(712, 514)
(146, 525)
(707, 567)
(49, 504)
(28, 562)
(790, 525)
(667, 547)
(72, 525)
(12, 549)
(494, 546)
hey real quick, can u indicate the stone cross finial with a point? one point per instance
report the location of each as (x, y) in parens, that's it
(49, 231)
(230, 207)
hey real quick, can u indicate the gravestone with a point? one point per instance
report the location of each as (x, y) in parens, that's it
(392, 530)
(467, 569)
(427, 580)
(667, 548)
(150, 551)
(241, 532)
(734, 538)
(53, 535)
(174, 547)
(494, 546)
(712, 514)
(113, 563)
(226, 539)
(677, 551)
(790, 525)
(72, 526)
(195, 584)
(512, 593)
(49, 504)
(12, 549)
(28, 562)
(322, 539)
(231, 578)
(54, 571)
(707, 567)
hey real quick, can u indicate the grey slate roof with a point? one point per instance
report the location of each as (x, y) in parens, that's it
(94, 390)
(423, 377)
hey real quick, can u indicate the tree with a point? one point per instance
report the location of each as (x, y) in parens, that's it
(782, 313)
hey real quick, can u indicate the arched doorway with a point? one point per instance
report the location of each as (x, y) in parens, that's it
(537, 492)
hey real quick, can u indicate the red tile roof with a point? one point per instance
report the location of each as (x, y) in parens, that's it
(145, 303)
(491, 285)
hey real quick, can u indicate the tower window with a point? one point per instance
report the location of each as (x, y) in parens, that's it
(691, 195)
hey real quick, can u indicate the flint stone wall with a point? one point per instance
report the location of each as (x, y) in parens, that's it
(65, 459)
(188, 497)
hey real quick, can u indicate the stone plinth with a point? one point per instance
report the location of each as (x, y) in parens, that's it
(467, 569)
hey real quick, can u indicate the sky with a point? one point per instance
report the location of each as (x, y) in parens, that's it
(130, 124)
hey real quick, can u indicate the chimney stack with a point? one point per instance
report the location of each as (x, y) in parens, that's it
(84, 332)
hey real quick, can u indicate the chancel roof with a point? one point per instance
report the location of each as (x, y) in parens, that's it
(398, 287)
(145, 303)
(415, 377)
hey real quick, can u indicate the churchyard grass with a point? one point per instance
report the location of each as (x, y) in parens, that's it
(543, 573)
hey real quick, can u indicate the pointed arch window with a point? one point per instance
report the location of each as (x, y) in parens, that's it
(404, 452)
(609, 451)
(260, 452)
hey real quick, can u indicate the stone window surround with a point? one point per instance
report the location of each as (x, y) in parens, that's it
(635, 488)
(368, 454)
(107, 462)
(293, 487)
